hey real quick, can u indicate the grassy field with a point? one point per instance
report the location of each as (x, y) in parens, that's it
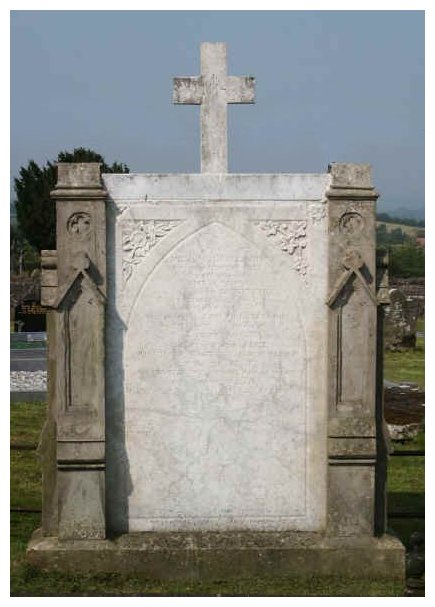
(27, 345)
(406, 474)
(407, 365)
(405, 487)
(410, 230)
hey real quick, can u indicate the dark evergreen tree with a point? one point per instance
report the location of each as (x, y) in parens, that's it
(406, 261)
(36, 215)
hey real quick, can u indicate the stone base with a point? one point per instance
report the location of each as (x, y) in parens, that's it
(212, 555)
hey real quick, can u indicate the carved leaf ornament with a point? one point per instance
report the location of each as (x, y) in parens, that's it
(292, 239)
(138, 238)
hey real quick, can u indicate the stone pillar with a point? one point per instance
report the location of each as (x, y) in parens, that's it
(382, 441)
(352, 350)
(77, 343)
(47, 443)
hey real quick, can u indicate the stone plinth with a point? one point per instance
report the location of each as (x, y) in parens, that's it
(216, 556)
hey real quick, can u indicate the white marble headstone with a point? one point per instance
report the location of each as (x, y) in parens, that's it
(213, 365)
(216, 358)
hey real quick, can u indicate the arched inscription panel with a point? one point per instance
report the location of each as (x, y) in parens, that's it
(215, 391)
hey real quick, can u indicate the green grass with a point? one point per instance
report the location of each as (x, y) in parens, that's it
(416, 443)
(30, 581)
(420, 324)
(28, 345)
(25, 480)
(57, 584)
(407, 365)
(27, 420)
(26, 424)
(406, 486)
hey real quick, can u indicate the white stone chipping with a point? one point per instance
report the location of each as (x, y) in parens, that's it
(28, 381)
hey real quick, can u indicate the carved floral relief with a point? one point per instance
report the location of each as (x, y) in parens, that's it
(291, 237)
(317, 212)
(138, 238)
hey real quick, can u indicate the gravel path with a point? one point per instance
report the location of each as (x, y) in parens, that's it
(28, 381)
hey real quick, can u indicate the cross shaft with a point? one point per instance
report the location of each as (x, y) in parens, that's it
(213, 90)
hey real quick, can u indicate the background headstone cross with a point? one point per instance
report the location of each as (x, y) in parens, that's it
(213, 90)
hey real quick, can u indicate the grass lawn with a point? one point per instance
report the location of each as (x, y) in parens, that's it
(405, 486)
(407, 365)
(406, 483)
(406, 474)
(420, 324)
(28, 345)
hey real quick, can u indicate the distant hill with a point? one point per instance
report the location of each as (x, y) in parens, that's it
(402, 221)
(412, 231)
(415, 214)
(405, 213)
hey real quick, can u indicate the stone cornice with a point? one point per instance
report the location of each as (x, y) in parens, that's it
(78, 194)
(340, 193)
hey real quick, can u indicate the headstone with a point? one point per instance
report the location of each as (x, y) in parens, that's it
(212, 353)
(400, 321)
(31, 316)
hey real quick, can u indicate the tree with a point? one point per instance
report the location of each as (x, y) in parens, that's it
(23, 257)
(406, 261)
(36, 213)
(392, 237)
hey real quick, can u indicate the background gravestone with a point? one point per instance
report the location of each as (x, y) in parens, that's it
(212, 364)
(400, 321)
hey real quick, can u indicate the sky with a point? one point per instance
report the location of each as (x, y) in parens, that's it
(331, 86)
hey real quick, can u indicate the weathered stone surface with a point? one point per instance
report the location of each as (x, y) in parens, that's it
(130, 189)
(78, 176)
(351, 497)
(353, 305)
(74, 277)
(350, 176)
(49, 280)
(403, 432)
(47, 442)
(217, 308)
(213, 556)
(213, 90)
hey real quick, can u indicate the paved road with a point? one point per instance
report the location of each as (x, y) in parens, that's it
(32, 359)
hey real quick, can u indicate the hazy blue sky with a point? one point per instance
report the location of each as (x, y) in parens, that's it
(342, 86)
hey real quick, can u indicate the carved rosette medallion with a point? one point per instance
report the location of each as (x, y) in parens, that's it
(291, 237)
(351, 223)
(138, 238)
(79, 224)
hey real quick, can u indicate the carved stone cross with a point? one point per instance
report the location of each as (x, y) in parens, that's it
(213, 90)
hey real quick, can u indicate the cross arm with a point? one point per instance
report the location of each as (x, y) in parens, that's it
(240, 89)
(187, 90)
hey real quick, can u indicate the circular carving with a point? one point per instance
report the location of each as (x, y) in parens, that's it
(351, 223)
(79, 224)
